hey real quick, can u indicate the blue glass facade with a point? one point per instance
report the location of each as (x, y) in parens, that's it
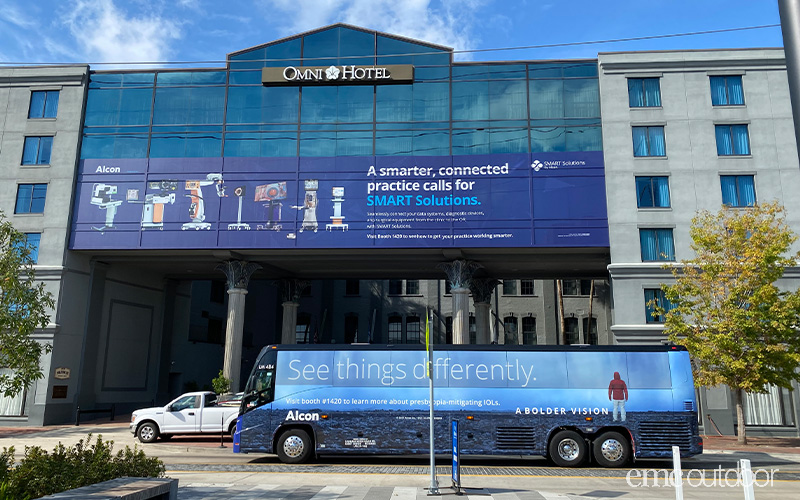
(449, 109)
(463, 154)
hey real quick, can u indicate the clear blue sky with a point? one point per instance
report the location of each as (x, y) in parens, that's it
(94, 31)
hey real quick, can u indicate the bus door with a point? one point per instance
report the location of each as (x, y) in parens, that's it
(256, 410)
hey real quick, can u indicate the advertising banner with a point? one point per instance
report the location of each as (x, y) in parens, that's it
(500, 200)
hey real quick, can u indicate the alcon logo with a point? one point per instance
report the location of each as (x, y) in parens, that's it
(302, 417)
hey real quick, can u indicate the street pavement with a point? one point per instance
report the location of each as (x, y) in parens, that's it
(207, 469)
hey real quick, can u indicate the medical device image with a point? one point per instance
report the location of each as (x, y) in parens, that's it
(153, 210)
(197, 206)
(309, 206)
(271, 195)
(239, 192)
(337, 218)
(101, 196)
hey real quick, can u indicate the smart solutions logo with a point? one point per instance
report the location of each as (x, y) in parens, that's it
(556, 164)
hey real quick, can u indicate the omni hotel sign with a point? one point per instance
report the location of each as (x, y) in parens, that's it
(336, 75)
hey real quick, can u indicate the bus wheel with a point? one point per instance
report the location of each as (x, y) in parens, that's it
(611, 449)
(294, 447)
(567, 449)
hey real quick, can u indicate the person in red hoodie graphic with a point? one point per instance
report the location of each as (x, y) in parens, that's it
(618, 394)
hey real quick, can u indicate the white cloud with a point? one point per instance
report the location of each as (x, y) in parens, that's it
(106, 33)
(452, 23)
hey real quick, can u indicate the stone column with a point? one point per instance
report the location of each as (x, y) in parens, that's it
(482, 289)
(289, 325)
(238, 274)
(459, 273)
(291, 290)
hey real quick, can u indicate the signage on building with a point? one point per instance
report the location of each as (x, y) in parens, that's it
(62, 373)
(522, 200)
(333, 75)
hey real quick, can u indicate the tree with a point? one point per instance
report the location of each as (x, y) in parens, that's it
(724, 306)
(24, 306)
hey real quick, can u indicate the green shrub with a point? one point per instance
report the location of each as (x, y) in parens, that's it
(221, 384)
(6, 462)
(5, 493)
(41, 473)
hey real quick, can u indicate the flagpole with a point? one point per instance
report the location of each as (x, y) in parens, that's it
(434, 487)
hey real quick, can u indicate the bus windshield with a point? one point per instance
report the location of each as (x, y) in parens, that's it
(260, 388)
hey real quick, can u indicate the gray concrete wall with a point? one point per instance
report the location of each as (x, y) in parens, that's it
(16, 85)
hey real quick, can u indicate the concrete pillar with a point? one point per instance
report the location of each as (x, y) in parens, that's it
(238, 274)
(483, 315)
(233, 337)
(289, 326)
(482, 290)
(291, 291)
(459, 273)
(460, 315)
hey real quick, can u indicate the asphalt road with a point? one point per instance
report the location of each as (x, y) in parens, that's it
(206, 471)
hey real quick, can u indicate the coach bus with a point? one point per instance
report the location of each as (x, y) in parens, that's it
(568, 403)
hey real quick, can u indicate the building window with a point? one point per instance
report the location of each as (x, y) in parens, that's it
(738, 190)
(395, 287)
(726, 90)
(37, 150)
(771, 408)
(657, 245)
(649, 141)
(652, 192)
(654, 297)
(448, 288)
(32, 242)
(590, 334)
(412, 287)
(526, 287)
(571, 334)
(44, 104)
(510, 330)
(732, 140)
(529, 330)
(351, 328)
(644, 92)
(302, 329)
(569, 287)
(30, 198)
(395, 330)
(509, 287)
(217, 291)
(412, 330)
(448, 330)
(11, 407)
(351, 287)
(586, 287)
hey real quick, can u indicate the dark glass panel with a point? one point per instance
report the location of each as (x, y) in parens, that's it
(584, 139)
(545, 70)
(508, 140)
(354, 143)
(284, 54)
(546, 98)
(470, 142)
(577, 70)
(318, 144)
(319, 105)
(321, 48)
(393, 103)
(507, 71)
(471, 72)
(393, 142)
(508, 100)
(548, 139)
(431, 142)
(356, 43)
(470, 100)
(581, 98)
(431, 102)
(355, 103)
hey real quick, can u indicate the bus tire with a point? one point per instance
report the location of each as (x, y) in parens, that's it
(147, 432)
(294, 447)
(611, 449)
(567, 449)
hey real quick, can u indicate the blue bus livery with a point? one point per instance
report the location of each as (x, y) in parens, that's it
(566, 403)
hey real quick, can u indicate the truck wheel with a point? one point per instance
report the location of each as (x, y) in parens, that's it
(567, 449)
(147, 432)
(294, 447)
(611, 449)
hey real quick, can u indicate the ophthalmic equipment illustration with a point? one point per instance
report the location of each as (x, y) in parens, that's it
(153, 210)
(309, 206)
(197, 206)
(101, 196)
(337, 219)
(239, 192)
(271, 195)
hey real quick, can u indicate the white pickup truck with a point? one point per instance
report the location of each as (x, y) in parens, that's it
(191, 413)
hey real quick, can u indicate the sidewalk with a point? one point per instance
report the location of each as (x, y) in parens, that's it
(754, 444)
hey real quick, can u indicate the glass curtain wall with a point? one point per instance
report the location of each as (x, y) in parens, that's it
(457, 109)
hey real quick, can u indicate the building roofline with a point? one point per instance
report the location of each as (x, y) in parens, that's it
(342, 25)
(676, 51)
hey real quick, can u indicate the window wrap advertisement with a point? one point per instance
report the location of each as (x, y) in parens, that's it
(500, 200)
